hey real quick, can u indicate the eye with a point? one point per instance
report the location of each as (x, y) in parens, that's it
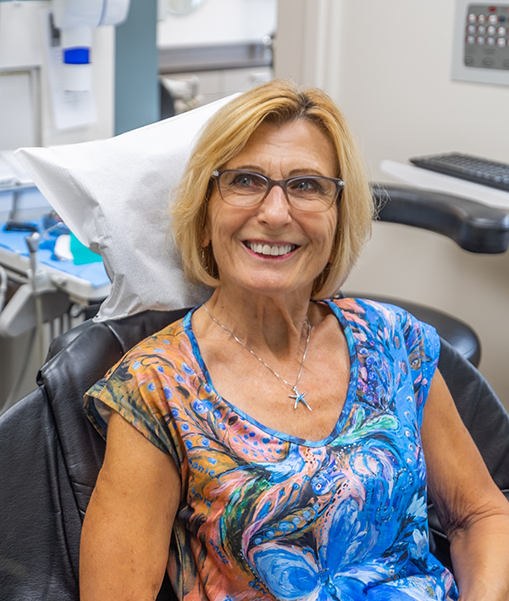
(246, 181)
(242, 180)
(306, 185)
(303, 184)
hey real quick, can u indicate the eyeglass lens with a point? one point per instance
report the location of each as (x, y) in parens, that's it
(307, 192)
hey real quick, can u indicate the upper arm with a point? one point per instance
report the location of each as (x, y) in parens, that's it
(127, 528)
(458, 480)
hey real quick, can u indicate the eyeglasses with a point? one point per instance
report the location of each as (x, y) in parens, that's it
(242, 188)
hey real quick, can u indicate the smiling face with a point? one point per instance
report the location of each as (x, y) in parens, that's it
(273, 248)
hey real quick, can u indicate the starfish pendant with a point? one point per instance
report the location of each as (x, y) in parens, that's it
(299, 398)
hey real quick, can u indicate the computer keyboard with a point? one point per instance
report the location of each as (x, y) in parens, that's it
(464, 166)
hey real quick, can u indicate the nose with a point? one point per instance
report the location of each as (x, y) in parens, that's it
(275, 208)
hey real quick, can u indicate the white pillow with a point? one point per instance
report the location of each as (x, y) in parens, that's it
(114, 195)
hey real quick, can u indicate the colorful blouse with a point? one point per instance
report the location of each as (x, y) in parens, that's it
(265, 515)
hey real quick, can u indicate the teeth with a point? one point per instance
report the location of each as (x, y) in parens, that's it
(274, 251)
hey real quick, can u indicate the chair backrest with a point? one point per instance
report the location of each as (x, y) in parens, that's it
(51, 455)
(77, 361)
(488, 423)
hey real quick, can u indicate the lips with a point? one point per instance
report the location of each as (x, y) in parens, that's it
(273, 250)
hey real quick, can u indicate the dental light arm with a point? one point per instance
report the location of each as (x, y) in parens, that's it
(76, 19)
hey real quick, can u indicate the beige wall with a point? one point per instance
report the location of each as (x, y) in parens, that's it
(388, 65)
(219, 22)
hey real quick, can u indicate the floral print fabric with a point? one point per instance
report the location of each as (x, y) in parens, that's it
(265, 515)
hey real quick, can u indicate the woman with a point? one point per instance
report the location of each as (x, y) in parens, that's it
(279, 443)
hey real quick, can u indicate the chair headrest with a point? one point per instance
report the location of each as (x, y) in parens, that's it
(114, 196)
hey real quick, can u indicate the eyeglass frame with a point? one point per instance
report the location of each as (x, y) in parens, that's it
(283, 184)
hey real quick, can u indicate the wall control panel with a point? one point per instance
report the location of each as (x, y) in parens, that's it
(487, 37)
(481, 42)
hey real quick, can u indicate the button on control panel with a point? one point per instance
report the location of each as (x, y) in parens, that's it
(486, 44)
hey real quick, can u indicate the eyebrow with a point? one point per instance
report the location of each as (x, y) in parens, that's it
(293, 172)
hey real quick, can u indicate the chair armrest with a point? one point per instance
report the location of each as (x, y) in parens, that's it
(472, 225)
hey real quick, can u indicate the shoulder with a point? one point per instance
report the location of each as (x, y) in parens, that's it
(371, 312)
(150, 371)
(146, 384)
(380, 322)
(171, 345)
(389, 336)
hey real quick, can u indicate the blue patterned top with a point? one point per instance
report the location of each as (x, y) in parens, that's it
(265, 515)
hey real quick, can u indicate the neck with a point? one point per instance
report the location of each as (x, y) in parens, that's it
(274, 323)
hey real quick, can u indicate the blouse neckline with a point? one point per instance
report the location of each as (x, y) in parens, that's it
(350, 396)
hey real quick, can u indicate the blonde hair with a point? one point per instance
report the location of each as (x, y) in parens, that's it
(226, 134)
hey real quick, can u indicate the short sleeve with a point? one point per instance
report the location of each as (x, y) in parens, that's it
(139, 388)
(423, 349)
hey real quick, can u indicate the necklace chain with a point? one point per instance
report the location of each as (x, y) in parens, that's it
(299, 397)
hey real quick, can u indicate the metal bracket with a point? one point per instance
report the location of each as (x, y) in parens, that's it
(19, 314)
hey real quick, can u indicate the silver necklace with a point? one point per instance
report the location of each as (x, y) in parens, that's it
(299, 397)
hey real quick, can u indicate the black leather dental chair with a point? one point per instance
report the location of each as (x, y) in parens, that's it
(50, 454)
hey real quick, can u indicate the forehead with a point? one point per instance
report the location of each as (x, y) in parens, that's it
(295, 146)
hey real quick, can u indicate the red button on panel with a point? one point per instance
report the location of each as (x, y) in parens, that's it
(493, 9)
